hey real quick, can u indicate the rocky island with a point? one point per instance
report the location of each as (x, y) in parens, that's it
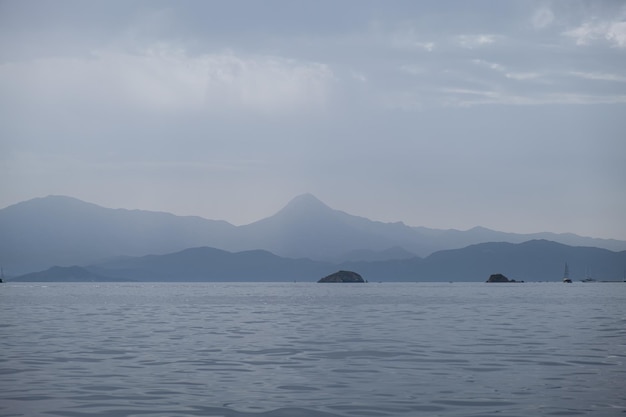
(343, 277)
(500, 278)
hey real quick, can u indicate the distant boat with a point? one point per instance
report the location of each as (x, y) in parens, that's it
(1, 274)
(588, 277)
(566, 277)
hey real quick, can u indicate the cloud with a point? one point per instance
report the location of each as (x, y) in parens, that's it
(409, 39)
(266, 83)
(163, 77)
(542, 18)
(612, 31)
(599, 76)
(617, 34)
(475, 41)
(358, 76)
(463, 97)
(492, 65)
(521, 76)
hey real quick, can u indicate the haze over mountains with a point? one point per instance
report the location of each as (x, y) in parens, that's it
(64, 231)
(535, 260)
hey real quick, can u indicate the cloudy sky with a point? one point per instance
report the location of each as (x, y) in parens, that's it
(510, 115)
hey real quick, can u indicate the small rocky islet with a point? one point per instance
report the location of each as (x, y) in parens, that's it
(500, 278)
(342, 277)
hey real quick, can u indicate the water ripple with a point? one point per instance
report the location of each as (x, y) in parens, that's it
(274, 350)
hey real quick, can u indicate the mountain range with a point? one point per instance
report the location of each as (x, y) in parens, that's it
(535, 260)
(63, 231)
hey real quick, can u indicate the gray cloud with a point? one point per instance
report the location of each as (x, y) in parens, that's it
(498, 114)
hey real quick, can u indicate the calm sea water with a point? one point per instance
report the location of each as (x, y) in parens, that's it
(313, 350)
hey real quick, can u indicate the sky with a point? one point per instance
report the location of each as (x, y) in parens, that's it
(509, 115)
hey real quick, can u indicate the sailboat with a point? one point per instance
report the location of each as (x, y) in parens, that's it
(588, 276)
(1, 274)
(566, 277)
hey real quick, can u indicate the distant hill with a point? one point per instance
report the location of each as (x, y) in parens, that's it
(210, 264)
(64, 231)
(66, 274)
(456, 239)
(536, 260)
(194, 264)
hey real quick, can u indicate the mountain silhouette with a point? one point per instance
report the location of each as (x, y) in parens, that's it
(64, 231)
(306, 227)
(536, 260)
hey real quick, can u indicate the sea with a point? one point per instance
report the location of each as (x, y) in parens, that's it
(299, 349)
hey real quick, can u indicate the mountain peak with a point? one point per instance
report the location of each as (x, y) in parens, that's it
(306, 200)
(302, 209)
(55, 203)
